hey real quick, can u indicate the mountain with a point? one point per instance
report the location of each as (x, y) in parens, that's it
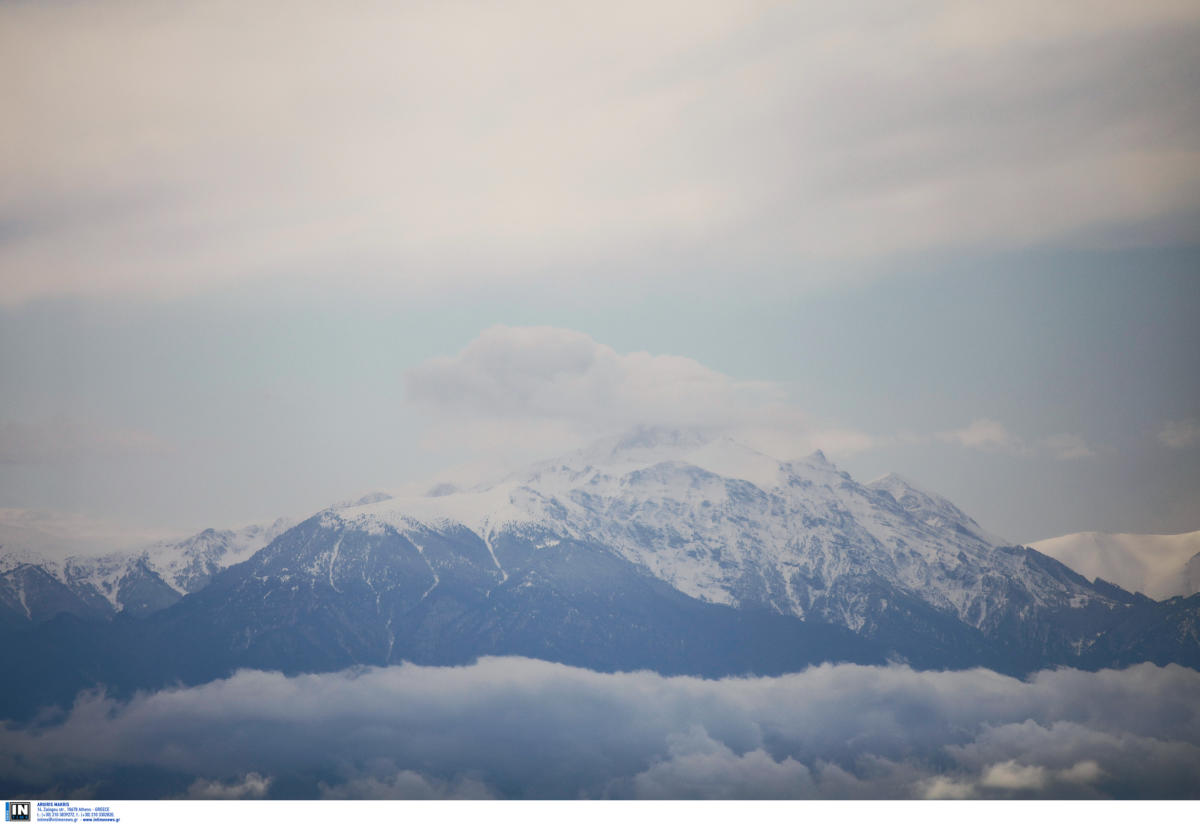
(725, 524)
(1161, 566)
(933, 510)
(29, 594)
(661, 549)
(35, 588)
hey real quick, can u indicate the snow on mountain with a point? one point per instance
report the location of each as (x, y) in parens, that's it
(726, 524)
(136, 581)
(188, 565)
(1160, 566)
(363, 500)
(11, 559)
(932, 510)
(710, 517)
(668, 550)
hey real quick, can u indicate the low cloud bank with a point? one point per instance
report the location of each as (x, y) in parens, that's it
(511, 727)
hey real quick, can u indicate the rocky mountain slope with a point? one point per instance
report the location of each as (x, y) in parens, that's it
(35, 588)
(662, 549)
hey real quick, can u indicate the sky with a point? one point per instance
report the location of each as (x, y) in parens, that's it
(257, 258)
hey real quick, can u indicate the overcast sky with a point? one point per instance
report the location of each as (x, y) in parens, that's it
(259, 257)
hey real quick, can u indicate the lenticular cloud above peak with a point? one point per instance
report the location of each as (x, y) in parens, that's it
(543, 372)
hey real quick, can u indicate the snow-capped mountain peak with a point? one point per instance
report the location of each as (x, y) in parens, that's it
(145, 579)
(650, 460)
(727, 524)
(666, 549)
(931, 509)
(645, 447)
(1161, 566)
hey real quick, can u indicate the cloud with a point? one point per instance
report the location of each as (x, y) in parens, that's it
(1067, 447)
(513, 387)
(66, 440)
(1009, 775)
(252, 785)
(990, 435)
(508, 727)
(517, 385)
(985, 434)
(435, 147)
(941, 787)
(696, 766)
(405, 784)
(1180, 434)
(559, 374)
(1085, 772)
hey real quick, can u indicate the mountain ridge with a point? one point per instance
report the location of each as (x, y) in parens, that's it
(634, 553)
(136, 581)
(1161, 566)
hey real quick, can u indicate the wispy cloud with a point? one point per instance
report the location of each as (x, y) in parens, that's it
(1183, 434)
(985, 434)
(516, 727)
(992, 436)
(1067, 447)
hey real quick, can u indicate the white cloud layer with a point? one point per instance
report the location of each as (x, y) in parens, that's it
(520, 728)
(439, 146)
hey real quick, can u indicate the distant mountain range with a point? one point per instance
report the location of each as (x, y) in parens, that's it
(1161, 566)
(661, 549)
(35, 589)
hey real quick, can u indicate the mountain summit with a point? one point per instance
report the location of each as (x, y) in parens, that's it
(723, 523)
(661, 549)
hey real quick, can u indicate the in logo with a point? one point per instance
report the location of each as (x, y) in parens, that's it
(16, 811)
